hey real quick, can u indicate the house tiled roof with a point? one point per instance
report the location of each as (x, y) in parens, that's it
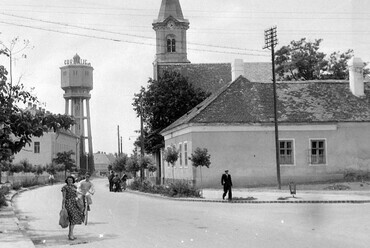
(242, 101)
(208, 77)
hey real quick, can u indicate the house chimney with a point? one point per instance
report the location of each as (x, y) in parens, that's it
(356, 76)
(237, 69)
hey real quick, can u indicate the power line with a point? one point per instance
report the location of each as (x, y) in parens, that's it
(190, 11)
(123, 41)
(126, 34)
(284, 16)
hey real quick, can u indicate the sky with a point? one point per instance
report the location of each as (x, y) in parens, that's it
(117, 38)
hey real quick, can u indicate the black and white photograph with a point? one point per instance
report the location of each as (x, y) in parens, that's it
(184, 123)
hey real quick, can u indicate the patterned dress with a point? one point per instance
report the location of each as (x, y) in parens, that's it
(75, 215)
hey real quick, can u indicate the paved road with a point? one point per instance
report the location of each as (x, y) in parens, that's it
(131, 220)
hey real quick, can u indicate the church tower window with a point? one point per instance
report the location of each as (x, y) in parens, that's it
(171, 45)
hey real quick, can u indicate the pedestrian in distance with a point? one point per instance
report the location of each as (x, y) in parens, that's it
(75, 215)
(227, 183)
(116, 183)
(51, 179)
(124, 181)
(110, 180)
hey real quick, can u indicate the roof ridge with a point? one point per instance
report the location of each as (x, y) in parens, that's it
(201, 106)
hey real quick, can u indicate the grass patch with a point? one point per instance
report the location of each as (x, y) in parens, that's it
(249, 198)
(337, 187)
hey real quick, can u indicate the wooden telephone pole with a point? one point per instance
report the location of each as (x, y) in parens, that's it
(270, 43)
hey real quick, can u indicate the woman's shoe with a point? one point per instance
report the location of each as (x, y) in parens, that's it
(71, 238)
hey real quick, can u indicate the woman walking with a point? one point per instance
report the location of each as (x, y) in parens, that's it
(75, 215)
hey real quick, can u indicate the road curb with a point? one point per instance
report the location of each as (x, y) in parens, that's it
(252, 201)
(27, 242)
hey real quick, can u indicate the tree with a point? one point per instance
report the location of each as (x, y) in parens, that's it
(300, 60)
(161, 103)
(65, 159)
(337, 65)
(133, 165)
(17, 125)
(171, 154)
(200, 158)
(146, 162)
(38, 170)
(27, 166)
(120, 163)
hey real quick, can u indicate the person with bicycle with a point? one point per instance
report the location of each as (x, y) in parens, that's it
(86, 190)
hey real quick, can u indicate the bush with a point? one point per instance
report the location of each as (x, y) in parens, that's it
(356, 175)
(176, 189)
(183, 189)
(16, 185)
(3, 192)
(29, 182)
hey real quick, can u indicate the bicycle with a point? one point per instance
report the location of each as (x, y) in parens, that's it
(86, 208)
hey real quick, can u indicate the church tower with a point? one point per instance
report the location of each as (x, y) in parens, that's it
(77, 81)
(170, 29)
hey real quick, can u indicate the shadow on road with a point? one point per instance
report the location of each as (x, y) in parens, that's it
(62, 239)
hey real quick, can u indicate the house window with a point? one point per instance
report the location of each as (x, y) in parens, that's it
(36, 147)
(180, 154)
(171, 45)
(286, 152)
(318, 152)
(186, 154)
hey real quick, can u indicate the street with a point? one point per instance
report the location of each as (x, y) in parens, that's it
(131, 220)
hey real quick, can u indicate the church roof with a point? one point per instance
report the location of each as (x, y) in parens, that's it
(245, 102)
(170, 8)
(208, 77)
(212, 76)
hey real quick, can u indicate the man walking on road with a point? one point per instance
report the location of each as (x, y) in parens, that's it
(110, 179)
(227, 183)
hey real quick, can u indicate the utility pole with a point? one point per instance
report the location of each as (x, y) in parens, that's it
(119, 150)
(270, 43)
(121, 145)
(141, 136)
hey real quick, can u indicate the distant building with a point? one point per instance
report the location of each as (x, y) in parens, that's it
(102, 161)
(43, 149)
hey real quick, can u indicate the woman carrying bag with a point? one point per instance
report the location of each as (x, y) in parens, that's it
(69, 204)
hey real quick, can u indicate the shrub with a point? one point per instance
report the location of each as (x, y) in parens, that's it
(176, 189)
(3, 192)
(356, 175)
(16, 185)
(29, 182)
(183, 189)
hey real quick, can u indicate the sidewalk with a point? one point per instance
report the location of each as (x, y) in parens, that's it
(272, 196)
(11, 235)
(284, 196)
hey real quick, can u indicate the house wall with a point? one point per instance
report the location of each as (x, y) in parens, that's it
(50, 144)
(250, 155)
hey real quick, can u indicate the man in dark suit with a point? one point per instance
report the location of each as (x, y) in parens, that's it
(227, 183)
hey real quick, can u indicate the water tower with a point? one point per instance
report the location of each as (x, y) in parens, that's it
(77, 81)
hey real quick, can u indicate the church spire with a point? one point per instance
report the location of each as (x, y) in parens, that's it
(170, 29)
(170, 8)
